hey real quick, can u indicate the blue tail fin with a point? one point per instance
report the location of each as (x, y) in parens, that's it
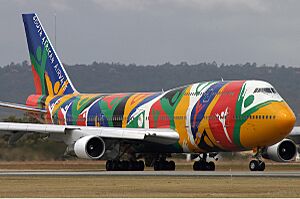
(50, 77)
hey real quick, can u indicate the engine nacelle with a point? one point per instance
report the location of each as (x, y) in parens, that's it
(89, 147)
(282, 151)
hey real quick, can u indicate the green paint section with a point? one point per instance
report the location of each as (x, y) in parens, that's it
(41, 57)
(108, 113)
(134, 123)
(249, 101)
(78, 105)
(40, 105)
(169, 109)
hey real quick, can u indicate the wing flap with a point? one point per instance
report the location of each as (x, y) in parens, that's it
(161, 136)
(22, 107)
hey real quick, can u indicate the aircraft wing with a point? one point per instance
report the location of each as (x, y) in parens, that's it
(295, 134)
(161, 136)
(21, 107)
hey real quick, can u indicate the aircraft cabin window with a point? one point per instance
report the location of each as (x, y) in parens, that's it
(264, 90)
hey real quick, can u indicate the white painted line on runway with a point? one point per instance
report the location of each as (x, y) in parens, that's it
(153, 173)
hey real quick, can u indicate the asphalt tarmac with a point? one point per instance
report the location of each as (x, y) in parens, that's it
(287, 174)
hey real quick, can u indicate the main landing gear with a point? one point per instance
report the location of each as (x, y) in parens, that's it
(164, 165)
(257, 164)
(203, 165)
(159, 162)
(124, 165)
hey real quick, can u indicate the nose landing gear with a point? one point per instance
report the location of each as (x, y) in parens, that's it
(257, 164)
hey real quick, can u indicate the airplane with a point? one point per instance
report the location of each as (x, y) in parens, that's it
(202, 119)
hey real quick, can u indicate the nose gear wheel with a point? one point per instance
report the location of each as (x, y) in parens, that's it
(257, 164)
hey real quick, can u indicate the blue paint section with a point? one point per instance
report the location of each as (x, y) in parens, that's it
(96, 112)
(203, 104)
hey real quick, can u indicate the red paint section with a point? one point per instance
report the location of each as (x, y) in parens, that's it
(47, 118)
(81, 120)
(110, 98)
(37, 82)
(158, 117)
(33, 101)
(61, 118)
(227, 100)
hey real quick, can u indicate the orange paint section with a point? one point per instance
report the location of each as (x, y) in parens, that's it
(253, 132)
(180, 124)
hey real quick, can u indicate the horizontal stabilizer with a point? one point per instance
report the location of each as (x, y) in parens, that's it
(22, 107)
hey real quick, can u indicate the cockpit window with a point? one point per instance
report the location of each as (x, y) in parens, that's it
(264, 90)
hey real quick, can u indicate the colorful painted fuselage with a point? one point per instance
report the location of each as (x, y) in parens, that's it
(208, 116)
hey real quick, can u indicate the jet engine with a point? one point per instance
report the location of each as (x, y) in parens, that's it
(89, 147)
(282, 151)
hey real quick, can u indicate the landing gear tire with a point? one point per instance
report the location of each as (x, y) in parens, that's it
(117, 165)
(204, 166)
(211, 166)
(257, 165)
(141, 165)
(109, 165)
(262, 166)
(253, 165)
(172, 165)
(164, 166)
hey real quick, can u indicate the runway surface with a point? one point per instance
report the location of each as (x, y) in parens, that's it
(153, 173)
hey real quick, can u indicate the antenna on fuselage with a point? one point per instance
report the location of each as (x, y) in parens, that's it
(222, 79)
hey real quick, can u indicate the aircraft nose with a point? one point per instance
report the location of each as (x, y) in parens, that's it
(285, 119)
(277, 123)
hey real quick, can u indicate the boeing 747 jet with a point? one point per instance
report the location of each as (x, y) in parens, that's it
(131, 130)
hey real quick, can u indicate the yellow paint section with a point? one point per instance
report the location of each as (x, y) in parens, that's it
(131, 103)
(48, 99)
(204, 124)
(56, 87)
(180, 124)
(265, 132)
(63, 88)
(49, 85)
(85, 98)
